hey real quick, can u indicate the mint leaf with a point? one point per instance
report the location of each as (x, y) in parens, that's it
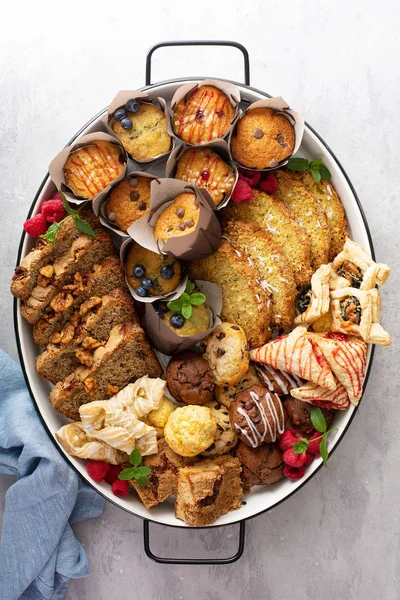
(298, 164)
(127, 474)
(83, 226)
(324, 451)
(50, 234)
(184, 298)
(318, 419)
(324, 172)
(143, 471)
(187, 310)
(189, 287)
(197, 299)
(315, 164)
(67, 207)
(135, 457)
(316, 174)
(300, 447)
(142, 481)
(175, 305)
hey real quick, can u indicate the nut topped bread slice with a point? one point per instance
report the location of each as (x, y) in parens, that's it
(276, 275)
(82, 334)
(326, 195)
(244, 300)
(126, 356)
(309, 215)
(80, 256)
(27, 273)
(87, 288)
(278, 220)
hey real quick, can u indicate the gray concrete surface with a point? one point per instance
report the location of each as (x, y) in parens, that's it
(337, 62)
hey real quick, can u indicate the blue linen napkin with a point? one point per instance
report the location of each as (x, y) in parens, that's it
(39, 553)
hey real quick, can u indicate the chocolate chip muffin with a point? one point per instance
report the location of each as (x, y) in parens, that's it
(128, 201)
(179, 218)
(260, 466)
(189, 378)
(257, 416)
(262, 138)
(299, 413)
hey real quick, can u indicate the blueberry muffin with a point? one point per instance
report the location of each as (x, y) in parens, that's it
(190, 430)
(262, 139)
(179, 218)
(142, 129)
(227, 354)
(89, 170)
(226, 439)
(189, 378)
(198, 321)
(204, 168)
(202, 116)
(151, 274)
(128, 201)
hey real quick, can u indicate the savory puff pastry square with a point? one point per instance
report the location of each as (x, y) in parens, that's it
(353, 267)
(319, 303)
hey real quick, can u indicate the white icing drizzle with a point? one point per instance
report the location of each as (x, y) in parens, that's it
(267, 373)
(255, 437)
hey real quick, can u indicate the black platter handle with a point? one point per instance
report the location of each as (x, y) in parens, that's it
(199, 43)
(193, 561)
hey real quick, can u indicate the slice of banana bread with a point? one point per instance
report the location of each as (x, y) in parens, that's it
(81, 334)
(278, 220)
(43, 254)
(276, 274)
(244, 300)
(126, 356)
(96, 282)
(80, 256)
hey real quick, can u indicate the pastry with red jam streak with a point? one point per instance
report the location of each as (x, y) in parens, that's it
(318, 396)
(91, 169)
(204, 115)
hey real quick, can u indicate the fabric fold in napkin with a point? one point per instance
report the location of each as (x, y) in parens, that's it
(39, 553)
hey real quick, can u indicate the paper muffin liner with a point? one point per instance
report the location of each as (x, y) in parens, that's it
(150, 299)
(229, 89)
(202, 241)
(167, 341)
(280, 106)
(220, 147)
(119, 102)
(56, 167)
(99, 204)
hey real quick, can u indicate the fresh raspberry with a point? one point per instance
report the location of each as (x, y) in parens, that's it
(53, 210)
(120, 488)
(250, 177)
(97, 470)
(313, 445)
(332, 335)
(36, 225)
(309, 459)
(242, 192)
(112, 474)
(293, 472)
(269, 184)
(288, 437)
(292, 459)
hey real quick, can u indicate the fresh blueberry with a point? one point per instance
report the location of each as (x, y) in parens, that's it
(139, 270)
(126, 123)
(132, 106)
(119, 114)
(177, 320)
(167, 272)
(141, 292)
(147, 283)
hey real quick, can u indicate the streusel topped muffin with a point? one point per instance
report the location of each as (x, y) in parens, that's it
(204, 115)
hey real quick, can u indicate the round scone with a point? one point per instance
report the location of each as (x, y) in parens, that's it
(225, 394)
(260, 466)
(204, 168)
(128, 201)
(227, 354)
(190, 430)
(203, 115)
(262, 139)
(143, 133)
(226, 438)
(179, 218)
(158, 418)
(89, 170)
(198, 321)
(149, 273)
(257, 416)
(189, 378)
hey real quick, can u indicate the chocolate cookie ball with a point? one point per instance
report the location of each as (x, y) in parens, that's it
(257, 416)
(260, 466)
(189, 378)
(299, 413)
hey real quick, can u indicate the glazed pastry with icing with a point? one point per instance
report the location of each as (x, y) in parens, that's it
(74, 439)
(257, 416)
(278, 382)
(316, 395)
(353, 267)
(315, 303)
